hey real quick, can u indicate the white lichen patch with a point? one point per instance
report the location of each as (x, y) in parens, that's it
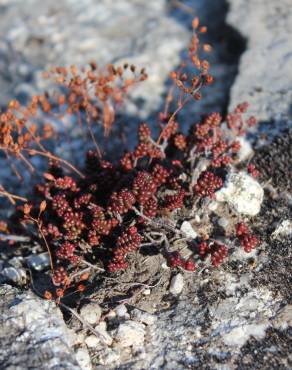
(242, 193)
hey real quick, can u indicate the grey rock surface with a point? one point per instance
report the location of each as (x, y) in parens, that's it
(33, 334)
(265, 70)
(196, 335)
(36, 35)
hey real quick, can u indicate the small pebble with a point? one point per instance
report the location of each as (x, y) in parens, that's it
(111, 315)
(83, 359)
(109, 357)
(176, 284)
(121, 311)
(91, 313)
(164, 266)
(130, 333)
(101, 329)
(187, 228)
(92, 341)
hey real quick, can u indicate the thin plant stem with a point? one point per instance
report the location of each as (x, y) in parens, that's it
(58, 159)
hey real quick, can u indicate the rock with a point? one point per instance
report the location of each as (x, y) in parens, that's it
(144, 317)
(238, 336)
(223, 222)
(284, 319)
(176, 284)
(283, 229)
(38, 262)
(101, 329)
(109, 357)
(83, 358)
(242, 193)
(80, 337)
(16, 262)
(91, 313)
(122, 311)
(111, 315)
(213, 206)
(187, 228)
(267, 26)
(92, 341)
(147, 291)
(130, 333)
(33, 333)
(164, 266)
(39, 36)
(13, 275)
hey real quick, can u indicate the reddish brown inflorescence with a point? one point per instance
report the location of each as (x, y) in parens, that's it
(247, 241)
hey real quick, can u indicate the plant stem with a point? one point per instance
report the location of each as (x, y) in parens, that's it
(58, 159)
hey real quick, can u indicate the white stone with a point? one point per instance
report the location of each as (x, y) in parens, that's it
(176, 284)
(197, 218)
(91, 313)
(101, 329)
(187, 228)
(242, 193)
(213, 206)
(92, 341)
(111, 315)
(164, 266)
(144, 317)
(147, 292)
(109, 357)
(121, 311)
(130, 333)
(80, 337)
(83, 359)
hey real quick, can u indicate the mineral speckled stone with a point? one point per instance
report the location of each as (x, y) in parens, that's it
(43, 340)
